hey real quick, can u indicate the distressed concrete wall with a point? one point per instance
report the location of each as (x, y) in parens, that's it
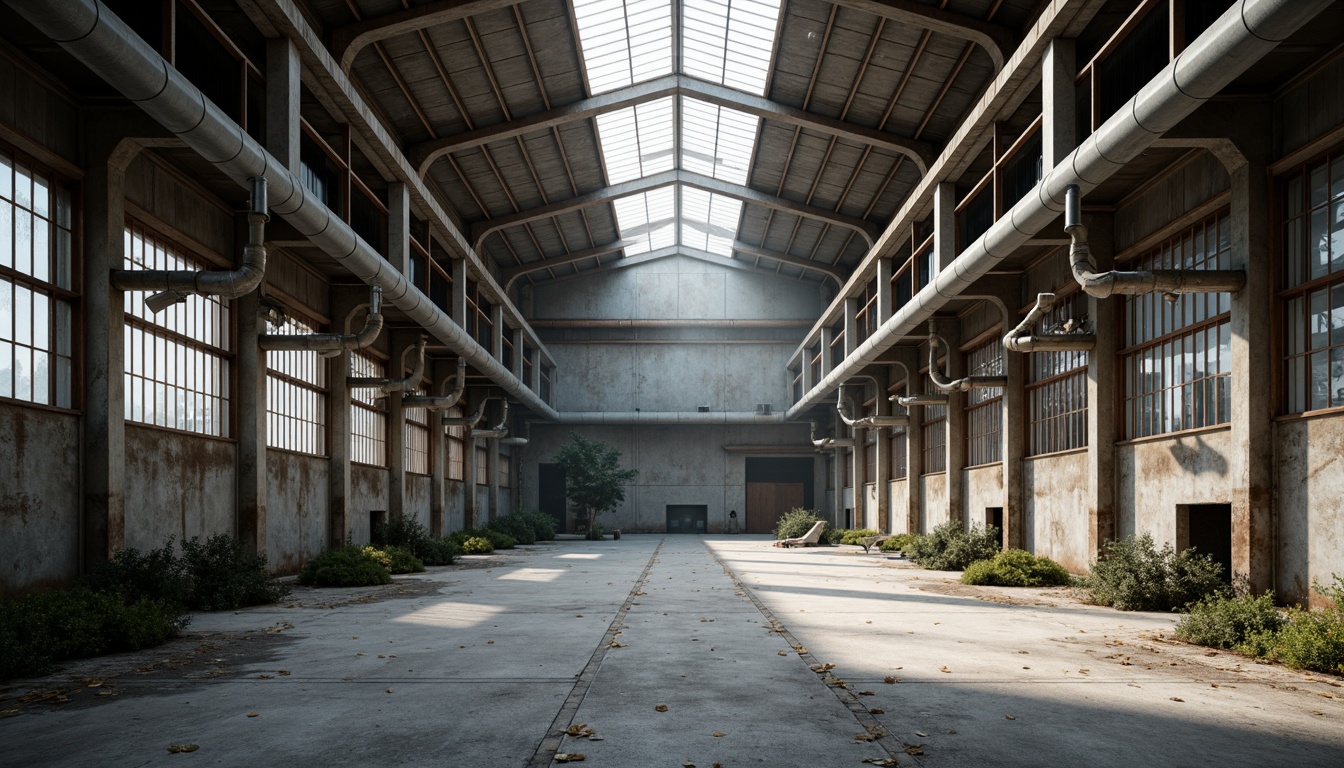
(1055, 508)
(368, 491)
(453, 495)
(178, 484)
(982, 487)
(297, 497)
(1310, 505)
(39, 498)
(1154, 476)
(934, 502)
(869, 519)
(416, 500)
(900, 506)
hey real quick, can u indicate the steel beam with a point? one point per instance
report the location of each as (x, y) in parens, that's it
(997, 40)
(511, 275)
(349, 40)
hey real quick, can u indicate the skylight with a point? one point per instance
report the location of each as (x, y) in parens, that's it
(637, 141)
(624, 41)
(729, 41)
(648, 220)
(716, 141)
(709, 221)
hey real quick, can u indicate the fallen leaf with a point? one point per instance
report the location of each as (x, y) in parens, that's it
(921, 734)
(270, 677)
(283, 672)
(877, 711)
(863, 737)
(389, 690)
(1024, 651)
(1026, 667)
(254, 714)
(1178, 698)
(11, 712)
(1009, 717)
(382, 656)
(889, 679)
(878, 761)
(780, 653)
(914, 749)
(688, 764)
(176, 748)
(719, 734)
(944, 669)
(950, 730)
(570, 757)
(354, 637)
(867, 693)
(489, 642)
(660, 707)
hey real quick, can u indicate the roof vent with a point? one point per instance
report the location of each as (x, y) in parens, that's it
(702, 408)
(762, 409)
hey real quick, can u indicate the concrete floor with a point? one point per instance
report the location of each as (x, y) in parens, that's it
(487, 664)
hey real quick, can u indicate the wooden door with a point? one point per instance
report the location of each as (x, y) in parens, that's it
(767, 502)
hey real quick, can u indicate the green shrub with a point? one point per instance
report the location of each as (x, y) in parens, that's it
(498, 539)
(477, 545)
(46, 627)
(1016, 568)
(1310, 640)
(349, 566)
(950, 547)
(1221, 621)
(225, 576)
(852, 535)
(594, 532)
(543, 526)
(409, 533)
(798, 521)
(1134, 575)
(897, 543)
(403, 560)
(158, 574)
(515, 525)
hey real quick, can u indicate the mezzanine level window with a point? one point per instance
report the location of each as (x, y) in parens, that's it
(1057, 388)
(368, 414)
(296, 394)
(1313, 278)
(984, 407)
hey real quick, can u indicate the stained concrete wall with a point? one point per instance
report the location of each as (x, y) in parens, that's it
(453, 493)
(1154, 476)
(1055, 508)
(900, 507)
(297, 497)
(368, 491)
(39, 497)
(982, 487)
(1310, 486)
(416, 499)
(178, 485)
(934, 501)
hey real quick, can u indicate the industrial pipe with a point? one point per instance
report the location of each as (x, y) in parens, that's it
(386, 385)
(467, 421)
(965, 384)
(669, 417)
(527, 432)
(1165, 281)
(1231, 44)
(112, 50)
(499, 430)
(828, 443)
(173, 286)
(866, 422)
(1020, 339)
(329, 344)
(439, 402)
(927, 398)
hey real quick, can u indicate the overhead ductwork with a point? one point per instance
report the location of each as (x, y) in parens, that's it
(965, 384)
(112, 50)
(518, 440)
(927, 398)
(331, 344)
(865, 422)
(499, 430)
(470, 421)
(669, 417)
(1166, 281)
(174, 286)
(828, 443)
(1021, 339)
(386, 385)
(440, 402)
(1231, 44)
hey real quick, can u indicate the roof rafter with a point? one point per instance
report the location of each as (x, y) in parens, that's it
(794, 261)
(480, 230)
(997, 40)
(511, 275)
(425, 153)
(349, 40)
(690, 253)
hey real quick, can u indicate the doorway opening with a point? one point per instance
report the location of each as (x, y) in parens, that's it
(1208, 529)
(994, 517)
(551, 494)
(775, 486)
(687, 518)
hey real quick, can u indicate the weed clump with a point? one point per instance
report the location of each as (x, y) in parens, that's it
(950, 547)
(348, 566)
(1134, 575)
(1016, 568)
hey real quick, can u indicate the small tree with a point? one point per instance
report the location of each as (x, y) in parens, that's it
(594, 480)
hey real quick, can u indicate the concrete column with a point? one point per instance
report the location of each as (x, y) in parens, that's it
(492, 472)
(808, 379)
(282, 102)
(1013, 448)
(1253, 371)
(399, 227)
(459, 313)
(343, 304)
(438, 443)
(955, 367)
(497, 333)
(103, 516)
(396, 429)
(827, 336)
(1102, 389)
(1059, 125)
(250, 405)
(535, 383)
(469, 469)
(885, 267)
(516, 364)
(882, 478)
(851, 326)
(944, 225)
(908, 358)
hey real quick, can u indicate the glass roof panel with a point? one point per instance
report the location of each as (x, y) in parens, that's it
(709, 221)
(637, 141)
(729, 41)
(648, 220)
(716, 141)
(624, 41)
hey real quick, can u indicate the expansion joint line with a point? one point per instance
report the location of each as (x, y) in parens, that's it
(555, 735)
(856, 708)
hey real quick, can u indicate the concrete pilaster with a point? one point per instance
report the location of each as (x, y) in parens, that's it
(497, 333)
(516, 364)
(885, 267)
(492, 471)
(882, 478)
(1102, 378)
(827, 336)
(438, 458)
(396, 429)
(250, 405)
(282, 102)
(338, 449)
(1013, 448)
(459, 313)
(399, 227)
(1059, 124)
(944, 225)
(851, 326)
(908, 359)
(954, 366)
(469, 468)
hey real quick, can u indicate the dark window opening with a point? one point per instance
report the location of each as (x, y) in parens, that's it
(1135, 61)
(208, 64)
(1207, 529)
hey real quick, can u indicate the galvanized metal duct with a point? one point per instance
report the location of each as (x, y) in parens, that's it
(328, 344)
(109, 48)
(1166, 281)
(1020, 339)
(956, 385)
(866, 422)
(926, 398)
(828, 443)
(1235, 41)
(467, 421)
(386, 385)
(439, 402)
(175, 286)
(669, 417)
(519, 440)
(499, 430)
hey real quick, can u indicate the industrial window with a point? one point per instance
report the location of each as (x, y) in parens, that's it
(899, 437)
(36, 300)
(1178, 354)
(933, 429)
(456, 448)
(505, 470)
(417, 438)
(984, 407)
(296, 395)
(482, 466)
(870, 454)
(368, 418)
(1057, 388)
(1313, 247)
(176, 361)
